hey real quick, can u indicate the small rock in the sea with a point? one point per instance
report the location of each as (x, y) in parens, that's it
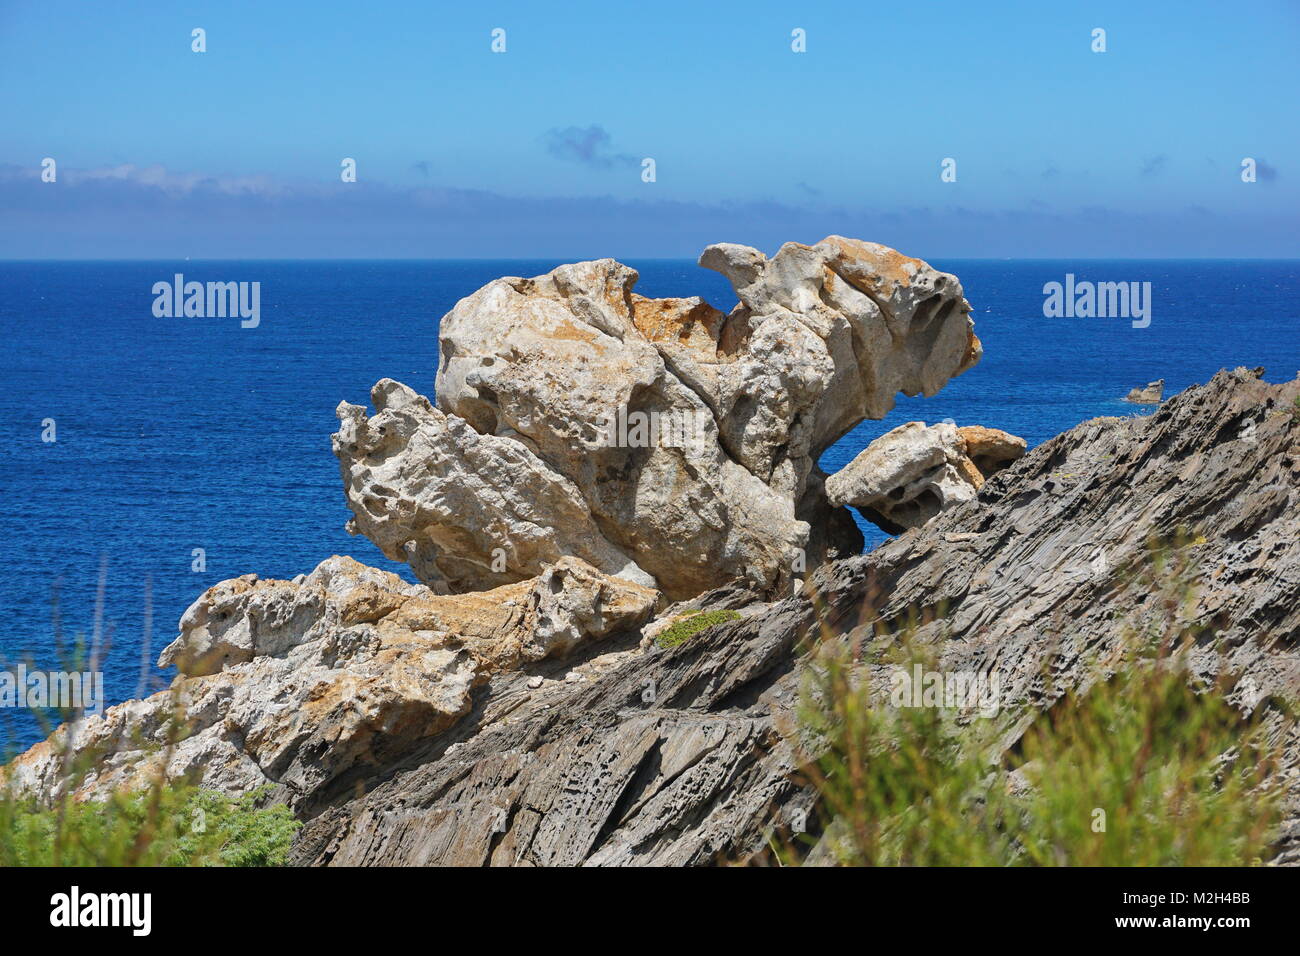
(1151, 395)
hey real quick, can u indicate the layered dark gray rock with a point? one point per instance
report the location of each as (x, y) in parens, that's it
(681, 756)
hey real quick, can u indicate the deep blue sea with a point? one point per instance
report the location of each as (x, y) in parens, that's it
(177, 434)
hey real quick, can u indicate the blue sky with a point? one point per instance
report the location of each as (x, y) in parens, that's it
(235, 152)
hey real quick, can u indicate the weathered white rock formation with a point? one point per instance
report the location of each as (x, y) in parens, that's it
(302, 682)
(658, 439)
(467, 511)
(910, 474)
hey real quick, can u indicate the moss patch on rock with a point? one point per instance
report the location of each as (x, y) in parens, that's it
(688, 625)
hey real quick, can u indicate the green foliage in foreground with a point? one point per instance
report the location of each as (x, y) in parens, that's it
(160, 826)
(1140, 771)
(688, 625)
(1148, 767)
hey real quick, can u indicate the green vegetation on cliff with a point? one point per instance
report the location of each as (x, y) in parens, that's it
(688, 625)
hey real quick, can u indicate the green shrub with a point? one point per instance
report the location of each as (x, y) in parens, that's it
(1145, 766)
(157, 823)
(1142, 770)
(688, 625)
(164, 826)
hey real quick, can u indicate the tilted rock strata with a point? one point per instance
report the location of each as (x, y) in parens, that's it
(910, 474)
(700, 771)
(666, 759)
(557, 372)
(308, 683)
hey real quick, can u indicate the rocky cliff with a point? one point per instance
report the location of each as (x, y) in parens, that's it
(679, 756)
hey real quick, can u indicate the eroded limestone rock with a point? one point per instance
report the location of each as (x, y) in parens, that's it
(309, 682)
(466, 510)
(550, 377)
(826, 336)
(910, 474)
(990, 449)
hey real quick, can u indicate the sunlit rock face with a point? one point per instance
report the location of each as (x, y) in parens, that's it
(1055, 567)
(910, 474)
(661, 440)
(304, 683)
